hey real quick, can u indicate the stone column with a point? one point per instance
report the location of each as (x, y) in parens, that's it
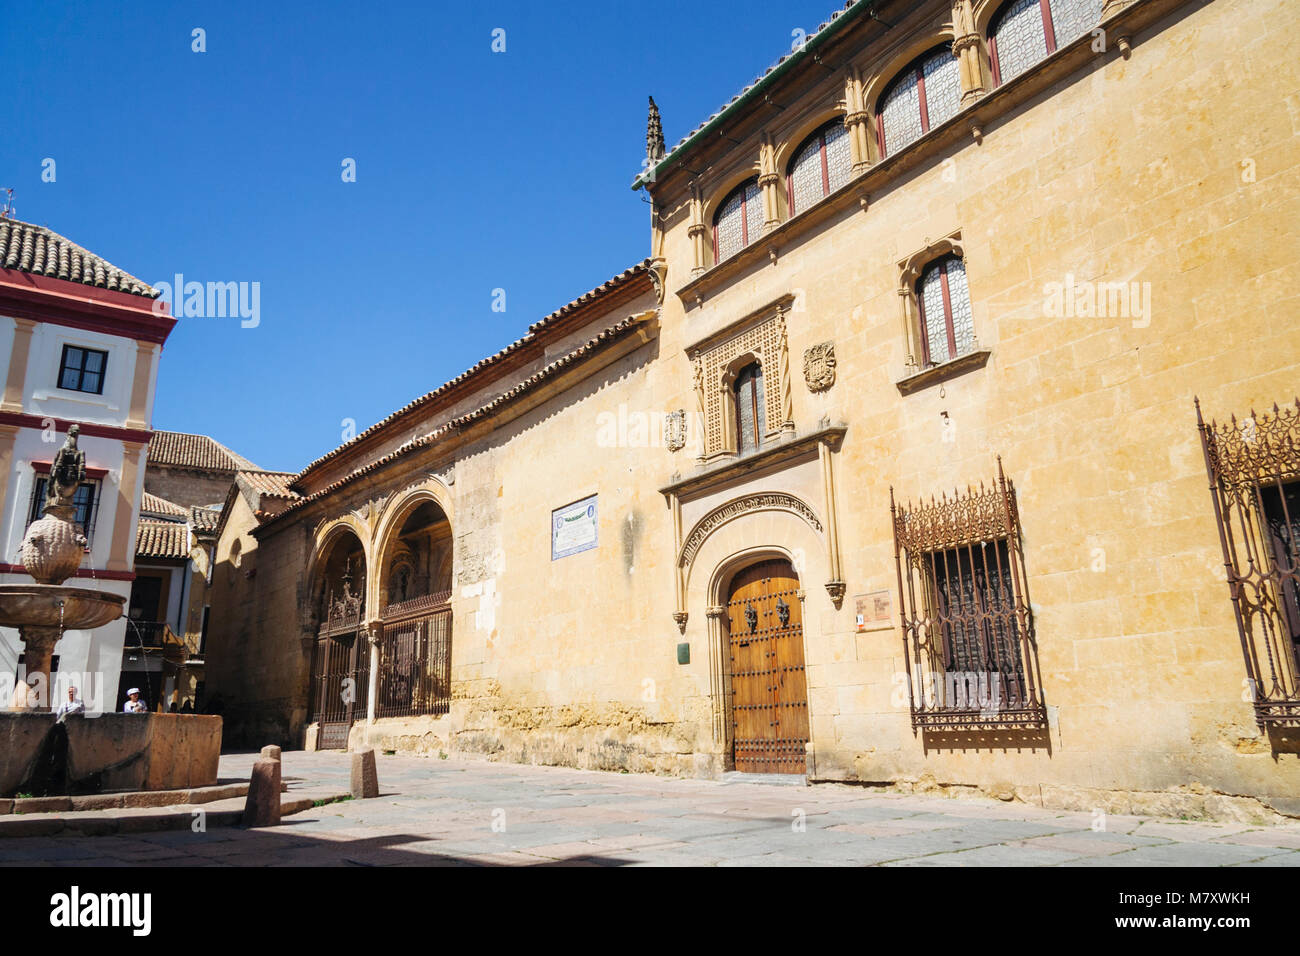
(717, 672)
(38, 648)
(967, 46)
(857, 121)
(138, 415)
(122, 547)
(8, 434)
(768, 180)
(835, 586)
(16, 383)
(372, 632)
(697, 231)
(909, 326)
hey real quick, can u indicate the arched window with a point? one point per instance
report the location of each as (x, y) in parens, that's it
(751, 417)
(738, 221)
(1028, 30)
(821, 166)
(947, 329)
(924, 95)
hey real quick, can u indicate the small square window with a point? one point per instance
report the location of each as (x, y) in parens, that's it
(82, 370)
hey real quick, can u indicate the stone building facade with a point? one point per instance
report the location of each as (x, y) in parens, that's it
(886, 466)
(80, 341)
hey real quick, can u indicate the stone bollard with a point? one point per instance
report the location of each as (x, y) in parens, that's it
(271, 752)
(365, 779)
(262, 808)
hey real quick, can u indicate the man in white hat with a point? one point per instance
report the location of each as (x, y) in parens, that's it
(134, 705)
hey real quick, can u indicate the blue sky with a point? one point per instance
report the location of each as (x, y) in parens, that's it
(475, 171)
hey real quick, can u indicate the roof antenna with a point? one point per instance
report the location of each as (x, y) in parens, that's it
(8, 211)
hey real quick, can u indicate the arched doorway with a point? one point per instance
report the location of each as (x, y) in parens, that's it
(414, 649)
(769, 689)
(340, 664)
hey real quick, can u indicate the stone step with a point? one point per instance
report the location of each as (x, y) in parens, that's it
(217, 813)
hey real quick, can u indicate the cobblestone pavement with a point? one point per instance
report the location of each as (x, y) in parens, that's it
(459, 812)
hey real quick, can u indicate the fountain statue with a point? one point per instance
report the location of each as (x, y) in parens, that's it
(52, 550)
(43, 754)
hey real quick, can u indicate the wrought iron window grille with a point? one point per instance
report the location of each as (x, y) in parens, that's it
(968, 634)
(1254, 472)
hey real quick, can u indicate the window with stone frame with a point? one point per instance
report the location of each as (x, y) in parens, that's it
(925, 94)
(943, 306)
(739, 221)
(821, 165)
(742, 383)
(750, 414)
(1026, 31)
(968, 634)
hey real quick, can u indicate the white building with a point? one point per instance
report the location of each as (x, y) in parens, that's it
(81, 341)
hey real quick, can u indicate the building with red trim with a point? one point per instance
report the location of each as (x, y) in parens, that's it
(83, 340)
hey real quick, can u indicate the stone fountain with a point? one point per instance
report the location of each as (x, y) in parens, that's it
(51, 552)
(94, 753)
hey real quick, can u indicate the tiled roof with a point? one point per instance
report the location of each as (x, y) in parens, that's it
(272, 484)
(835, 20)
(641, 268)
(194, 451)
(153, 505)
(611, 334)
(41, 251)
(205, 519)
(162, 539)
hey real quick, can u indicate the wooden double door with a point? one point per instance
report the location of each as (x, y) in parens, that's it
(769, 689)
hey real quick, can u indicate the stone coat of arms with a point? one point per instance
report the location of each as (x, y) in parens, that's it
(819, 366)
(675, 430)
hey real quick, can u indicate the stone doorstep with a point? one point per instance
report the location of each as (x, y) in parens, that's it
(226, 812)
(120, 801)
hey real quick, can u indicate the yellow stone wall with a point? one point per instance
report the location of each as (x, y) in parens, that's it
(1175, 166)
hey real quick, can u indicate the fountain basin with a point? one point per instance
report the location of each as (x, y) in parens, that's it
(109, 752)
(37, 605)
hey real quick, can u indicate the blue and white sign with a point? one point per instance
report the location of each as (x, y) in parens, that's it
(573, 528)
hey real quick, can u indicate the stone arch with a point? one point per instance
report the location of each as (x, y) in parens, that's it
(879, 80)
(718, 194)
(759, 504)
(785, 150)
(326, 538)
(389, 527)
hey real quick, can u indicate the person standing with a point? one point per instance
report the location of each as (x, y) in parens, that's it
(73, 705)
(134, 705)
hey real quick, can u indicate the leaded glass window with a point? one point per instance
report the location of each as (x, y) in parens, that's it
(738, 221)
(1028, 30)
(947, 326)
(925, 95)
(821, 166)
(751, 417)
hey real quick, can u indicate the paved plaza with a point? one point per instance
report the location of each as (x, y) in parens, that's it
(447, 812)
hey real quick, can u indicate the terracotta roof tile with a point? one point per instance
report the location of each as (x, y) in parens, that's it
(162, 539)
(41, 251)
(641, 268)
(272, 484)
(205, 519)
(153, 505)
(611, 334)
(194, 451)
